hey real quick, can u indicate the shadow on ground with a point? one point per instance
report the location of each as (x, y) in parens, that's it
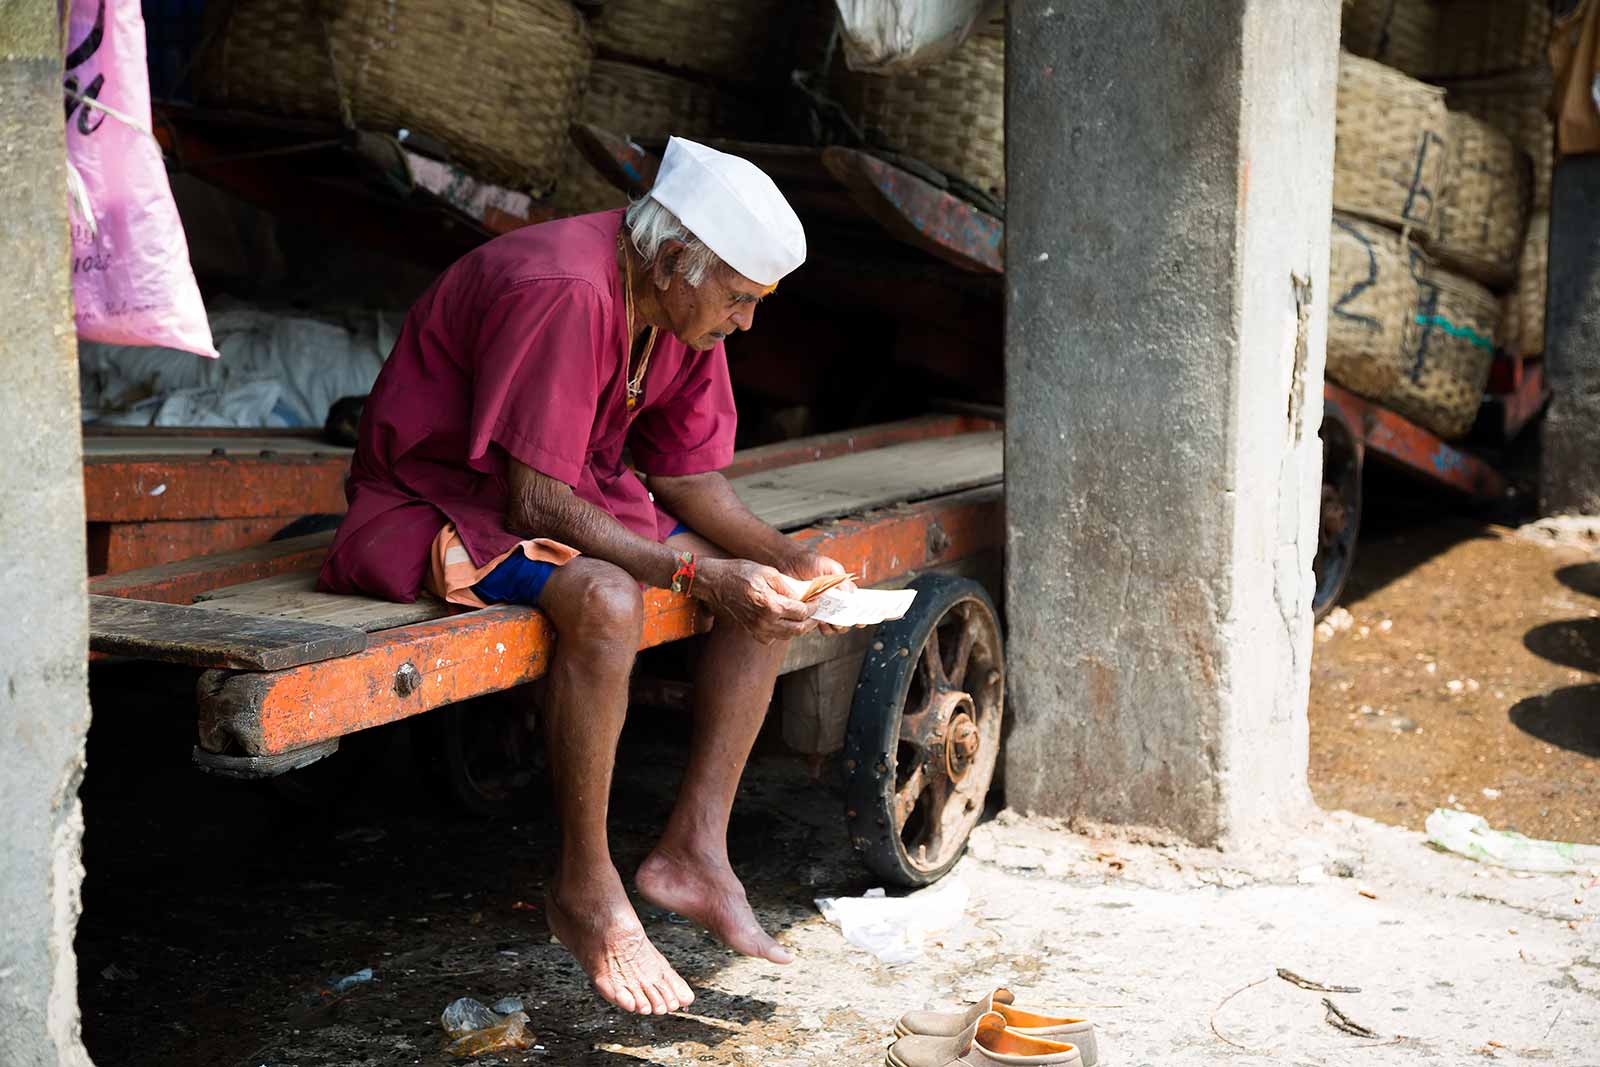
(219, 914)
(1571, 643)
(1581, 578)
(1567, 718)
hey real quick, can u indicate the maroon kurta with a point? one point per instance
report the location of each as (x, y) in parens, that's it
(518, 350)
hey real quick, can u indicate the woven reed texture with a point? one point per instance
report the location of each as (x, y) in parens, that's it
(1523, 329)
(635, 101)
(1520, 115)
(1391, 146)
(495, 80)
(1484, 204)
(727, 39)
(1451, 347)
(1481, 37)
(1374, 298)
(1438, 39)
(951, 116)
(1396, 33)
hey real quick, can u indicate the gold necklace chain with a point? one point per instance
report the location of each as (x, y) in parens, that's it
(636, 382)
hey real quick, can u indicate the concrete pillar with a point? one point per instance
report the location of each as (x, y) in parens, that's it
(44, 705)
(1169, 174)
(1569, 475)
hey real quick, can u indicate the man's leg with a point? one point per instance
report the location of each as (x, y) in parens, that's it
(688, 872)
(598, 615)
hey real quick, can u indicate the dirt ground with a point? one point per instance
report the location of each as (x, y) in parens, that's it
(1466, 674)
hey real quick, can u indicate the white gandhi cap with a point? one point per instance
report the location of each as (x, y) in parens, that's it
(731, 205)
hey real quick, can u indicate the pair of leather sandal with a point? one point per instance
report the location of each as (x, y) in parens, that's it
(990, 1033)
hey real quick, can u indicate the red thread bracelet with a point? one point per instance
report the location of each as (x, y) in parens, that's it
(683, 577)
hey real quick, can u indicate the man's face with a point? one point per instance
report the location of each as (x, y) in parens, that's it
(725, 302)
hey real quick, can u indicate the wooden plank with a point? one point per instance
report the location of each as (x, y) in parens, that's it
(100, 448)
(806, 493)
(181, 581)
(176, 634)
(295, 596)
(862, 439)
(116, 547)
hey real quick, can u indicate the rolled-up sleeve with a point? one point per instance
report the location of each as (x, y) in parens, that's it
(691, 431)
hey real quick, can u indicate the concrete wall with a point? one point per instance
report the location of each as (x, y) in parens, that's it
(1570, 466)
(44, 708)
(1170, 175)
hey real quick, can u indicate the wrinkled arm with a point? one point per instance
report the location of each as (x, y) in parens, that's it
(707, 504)
(541, 506)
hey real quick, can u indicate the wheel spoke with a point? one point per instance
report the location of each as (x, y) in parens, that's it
(932, 665)
(905, 798)
(965, 642)
(917, 730)
(931, 846)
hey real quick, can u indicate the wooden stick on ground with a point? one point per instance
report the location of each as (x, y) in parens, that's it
(1340, 1021)
(1315, 987)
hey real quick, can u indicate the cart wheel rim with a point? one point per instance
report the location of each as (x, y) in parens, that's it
(1339, 521)
(949, 740)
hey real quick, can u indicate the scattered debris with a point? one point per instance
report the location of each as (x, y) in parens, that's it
(523, 905)
(894, 928)
(1491, 794)
(1340, 1021)
(350, 981)
(507, 1006)
(475, 1029)
(1471, 836)
(1364, 891)
(1316, 987)
(116, 973)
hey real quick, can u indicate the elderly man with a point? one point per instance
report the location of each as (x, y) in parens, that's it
(491, 470)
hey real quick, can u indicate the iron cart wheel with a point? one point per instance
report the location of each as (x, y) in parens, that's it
(482, 753)
(1340, 520)
(924, 732)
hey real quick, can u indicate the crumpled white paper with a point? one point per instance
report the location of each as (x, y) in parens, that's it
(894, 929)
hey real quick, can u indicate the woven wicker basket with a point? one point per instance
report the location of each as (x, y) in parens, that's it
(723, 38)
(635, 101)
(1523, 328)
(495, 80)
(1450, 349)
(1374, 298)
(1439, 39)
(1396, 33)
(1481, 37)
(1520, 115)
(1484, 203)
(1391, 145)
(951, 116)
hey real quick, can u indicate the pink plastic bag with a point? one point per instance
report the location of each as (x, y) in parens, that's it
(131, 279)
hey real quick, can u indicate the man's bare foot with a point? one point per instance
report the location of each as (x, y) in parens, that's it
(595, 922)
(706, 890)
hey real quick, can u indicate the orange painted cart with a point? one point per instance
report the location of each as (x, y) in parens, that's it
(914, 706)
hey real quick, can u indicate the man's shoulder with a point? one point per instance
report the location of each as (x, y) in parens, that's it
(575, 251)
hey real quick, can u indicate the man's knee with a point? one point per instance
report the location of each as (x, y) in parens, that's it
(604, 607)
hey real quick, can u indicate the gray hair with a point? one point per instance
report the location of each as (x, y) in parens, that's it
(650, 225)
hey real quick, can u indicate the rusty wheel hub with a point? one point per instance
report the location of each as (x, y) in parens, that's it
(961, 740)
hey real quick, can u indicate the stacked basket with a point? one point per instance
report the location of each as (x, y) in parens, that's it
(1482, 218)
(951, 116)
(497, 81)
(676, 67)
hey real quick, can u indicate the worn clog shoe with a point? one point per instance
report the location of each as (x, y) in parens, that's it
(1078, 1032)
(986, 1043)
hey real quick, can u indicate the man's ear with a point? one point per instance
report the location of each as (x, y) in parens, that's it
(666, 264)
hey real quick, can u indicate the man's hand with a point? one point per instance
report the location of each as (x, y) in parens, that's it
(762, 600)
(808, 565)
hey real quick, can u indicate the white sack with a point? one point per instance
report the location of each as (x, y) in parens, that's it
(897, 36)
